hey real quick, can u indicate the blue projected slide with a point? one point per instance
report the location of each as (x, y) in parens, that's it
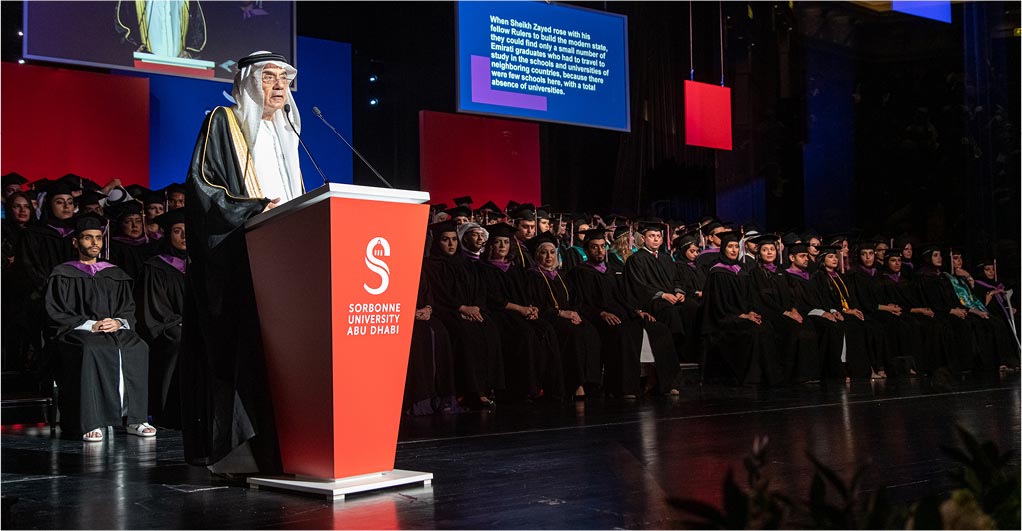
(543, 62)
(927, 9)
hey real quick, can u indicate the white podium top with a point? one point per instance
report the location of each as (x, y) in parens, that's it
(348, 191)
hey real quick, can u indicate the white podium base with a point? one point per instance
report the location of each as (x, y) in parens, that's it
(336, 489)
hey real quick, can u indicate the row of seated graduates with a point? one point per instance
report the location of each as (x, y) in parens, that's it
(145, 237)
(506, 308)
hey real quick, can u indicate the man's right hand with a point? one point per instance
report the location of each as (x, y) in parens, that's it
(272, 204)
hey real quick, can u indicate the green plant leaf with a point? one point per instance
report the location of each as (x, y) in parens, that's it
(830, 476)
(927, 514)
(736, 504)
(710, 516)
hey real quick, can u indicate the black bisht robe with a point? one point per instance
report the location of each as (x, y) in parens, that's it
(532, 359)
(596, 292)
(88, 362)
(579, 344)
(745, 348)
(163, 303)
(864, 338)
(430, 378)
(478, 358)
(797, 343)
(225, 401)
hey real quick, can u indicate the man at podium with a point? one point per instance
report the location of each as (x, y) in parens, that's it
(245, 161)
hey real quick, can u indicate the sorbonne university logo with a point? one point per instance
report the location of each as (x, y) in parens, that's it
(378, 247)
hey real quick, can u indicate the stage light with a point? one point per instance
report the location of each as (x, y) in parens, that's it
(373, 78)
(373, 102)
(21, 61)
(21, 33)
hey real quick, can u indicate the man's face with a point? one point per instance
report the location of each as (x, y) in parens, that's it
(500, 247)
(94, 208)
(131, 226)
(546, 255)
(275, 89)
(714, 239)
(867, 257)
(177, 237)
(801, 260)
(10, 189)
(881, 251)
(768, 253)
(449, 243)
(62, 206)
(89, 244)
(154, 209)
(596, 250)
(526, 229)
(175, 200)
(653, 239)
(21, 209)
(460, 220)
(474, 240)
(543, 225)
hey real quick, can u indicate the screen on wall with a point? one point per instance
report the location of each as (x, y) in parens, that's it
(192, 38)
(542, 61)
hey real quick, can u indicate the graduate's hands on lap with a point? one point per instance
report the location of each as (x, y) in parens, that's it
(571, 315)
(959, 313)
(752, 316)
(794, 315)
(424, 313)
(982, 314)
(647, 316)
(829, 316)
(610, 318)
(670, 297)
(106, 326)
(471, 313)
(891, 308)
(855, 312)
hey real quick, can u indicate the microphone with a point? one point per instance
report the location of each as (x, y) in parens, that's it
(287, 115)
(316, 111)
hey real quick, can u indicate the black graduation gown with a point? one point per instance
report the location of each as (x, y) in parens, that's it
(927, 340)
(519, 254)
(579, 344)
(994, 345)
(939, 295)
(131, 255)
(645, 275)
(430, 378)
(797, 343)
(999, 310)
(691, 279)
(706, 259)
(478, 358)
(614, 263)
(864, 339)
(746, 349)
(222, 367)
(88, 373)
(41, 248)
(596, 292)
(831, 334)
(571, 257)
(163, 304)
(532, 360)
(15, 321)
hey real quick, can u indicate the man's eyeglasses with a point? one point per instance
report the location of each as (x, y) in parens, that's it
(270, 79)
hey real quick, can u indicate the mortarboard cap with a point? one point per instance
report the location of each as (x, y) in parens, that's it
(796, 248)
(683, 242)
(525, 211)
(73, 181)
(437, 229)
(540, 239)
(137, 190)
(89, 197)
(647, 226)
(121, 210)
(621, 231)
(492, 207)
(828, 249)
(12, 178)
(765, 239)
(500, 230)
(174, 188)
(728, 237)
(595, 234)
(89, 221)
(464, 200)
(151, 198)
(169, 219)
(543, 212)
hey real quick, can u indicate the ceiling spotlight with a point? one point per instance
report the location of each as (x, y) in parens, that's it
(21, 33)
(373, 102)
(373, 78)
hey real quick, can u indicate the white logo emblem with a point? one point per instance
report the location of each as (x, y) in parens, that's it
(376, 265)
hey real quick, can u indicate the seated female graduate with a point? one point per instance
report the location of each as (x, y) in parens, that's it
(104, 365)
(621, 248)
(828, 322)
(429, 383)
(864, 281)
(461, 305)
(864, 340)
(796, 339)
(577, 339)
(130, 245)
(690, 278)
(734, 331)
(995, 343)
(940, 296)
(621, 326)
(532, 358)
(163, 302)
(16, 326)
(996, 298)
(927, 339)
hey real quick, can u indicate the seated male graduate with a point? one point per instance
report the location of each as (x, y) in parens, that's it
(104, 365)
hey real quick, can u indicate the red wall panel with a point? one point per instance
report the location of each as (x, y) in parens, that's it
(55, 121)
(486, 158)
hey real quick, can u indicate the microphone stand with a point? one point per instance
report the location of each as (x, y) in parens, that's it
(319, 114)
(287, 115)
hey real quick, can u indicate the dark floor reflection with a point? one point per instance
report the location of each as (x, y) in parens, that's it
(594, 464)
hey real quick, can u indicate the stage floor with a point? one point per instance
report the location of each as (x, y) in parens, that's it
(595, 465)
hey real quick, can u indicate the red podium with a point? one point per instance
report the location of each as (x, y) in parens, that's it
(336, 274)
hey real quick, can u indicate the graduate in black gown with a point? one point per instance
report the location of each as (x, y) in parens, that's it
(130, 245)
(995, 345)
(43, 245)
(864, 282)
(737, 336)
(103, 363)
(709, 256)
(460, 302)
(163, 302)
(827, 320)
(524, 217)
(865, 346)
(19, 215)
(597, 291)
(650, 284)
(926, 339)
(996, 297)
(621, 248)
(577, 338)
(939, 295)
(429, 383)
(794, 335)
(532, 358)
(575, 254)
